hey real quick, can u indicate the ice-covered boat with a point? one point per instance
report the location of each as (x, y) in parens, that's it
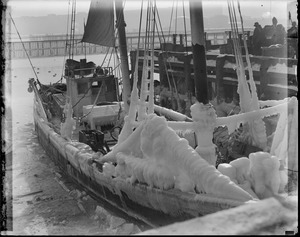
(150, 171)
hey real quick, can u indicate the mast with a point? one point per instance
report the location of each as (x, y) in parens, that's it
(72, 35)
(198, 48)
(120, 24)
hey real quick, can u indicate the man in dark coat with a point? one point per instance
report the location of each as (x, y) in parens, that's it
(293, 31)
(292, 40)
(258, 39)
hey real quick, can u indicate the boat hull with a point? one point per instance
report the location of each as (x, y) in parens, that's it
(153, 206)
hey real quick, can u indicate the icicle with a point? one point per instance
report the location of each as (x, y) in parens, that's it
(264, 174)
(293, 137)
(166, 156)
(131, 145)
(248, 102)
(279, 132)
(204, 121)
(229, 171)
(67, 128)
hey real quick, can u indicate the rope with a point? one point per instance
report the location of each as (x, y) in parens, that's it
(66, 45)
(24, 48)
(95, 101)
(82, 97)
(162, 33)
(165, 65)
(171, 20)
(185, 34)
(254, 100)
(176, 17)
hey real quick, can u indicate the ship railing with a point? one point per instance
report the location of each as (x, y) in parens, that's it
(103, 71)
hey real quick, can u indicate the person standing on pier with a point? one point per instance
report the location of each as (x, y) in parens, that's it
(258, 39)
(280, 35)
(293, 31)
(292, 40)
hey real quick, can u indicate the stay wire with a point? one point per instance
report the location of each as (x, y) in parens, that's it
(24, 48)
(81, 97)
(66, 45)
(185, 34)
(171, 20)
(160, 25)
(176, 19)
(95, 101)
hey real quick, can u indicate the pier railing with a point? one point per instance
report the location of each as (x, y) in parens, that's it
(56, 45)
(275, 78)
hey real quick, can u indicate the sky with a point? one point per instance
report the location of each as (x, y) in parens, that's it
(20, 8)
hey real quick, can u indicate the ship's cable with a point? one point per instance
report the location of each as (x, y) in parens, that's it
(66, 45)
(24, 49)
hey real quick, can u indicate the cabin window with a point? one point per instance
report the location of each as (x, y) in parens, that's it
(96, 84)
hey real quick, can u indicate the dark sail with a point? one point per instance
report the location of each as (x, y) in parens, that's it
(99, 28)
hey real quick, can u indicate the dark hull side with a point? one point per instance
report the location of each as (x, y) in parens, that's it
(153, 206)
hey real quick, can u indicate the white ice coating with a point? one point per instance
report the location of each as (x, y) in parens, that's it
(67, 128)
(259, 175)
(204, 122)
(154, 154)
(248, 96)
(285, 141)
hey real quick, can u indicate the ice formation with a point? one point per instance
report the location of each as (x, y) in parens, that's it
(248, 93)
(260, 175)
(285, 141)
(66, 128)
(154, 154)
(149, 151)
(204, 122)
(264, 174)
(109, 169)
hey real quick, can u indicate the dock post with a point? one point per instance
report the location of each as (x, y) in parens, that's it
(174, 38)
(189, 82)
(198, 47)
(204, 122)
(263, 87)
(220, 61)
(162, 70)
(181, 39)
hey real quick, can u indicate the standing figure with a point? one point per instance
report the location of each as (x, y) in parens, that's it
(293, 31)
(292, 40)
(280, 35)
(258, 39)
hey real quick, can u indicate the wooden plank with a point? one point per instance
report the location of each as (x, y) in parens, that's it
(220, 61)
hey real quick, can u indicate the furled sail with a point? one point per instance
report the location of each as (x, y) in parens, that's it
(99, 28)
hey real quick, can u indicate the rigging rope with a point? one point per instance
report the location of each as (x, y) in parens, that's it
(248, 100)
(176, 17)
(185, 34)
(171, 21)
(255, 104)
(72, 36)
(66, 45)
(243, 88)
(24, 48)
(95, 101)
(172, 75)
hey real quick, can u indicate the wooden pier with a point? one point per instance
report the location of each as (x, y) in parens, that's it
(55, 45)
(275, 78)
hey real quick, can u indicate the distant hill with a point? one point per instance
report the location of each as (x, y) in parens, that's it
(57, 24)
(51, 24)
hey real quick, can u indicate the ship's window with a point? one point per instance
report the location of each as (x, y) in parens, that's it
(96, 84)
